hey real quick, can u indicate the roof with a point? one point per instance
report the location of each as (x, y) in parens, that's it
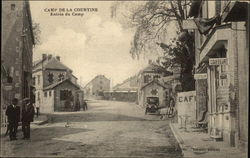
(94, 79)
(153, 68)
(154, 81)
(55, 64)
(59, 83)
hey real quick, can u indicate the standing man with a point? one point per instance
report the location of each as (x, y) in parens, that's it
(13, 114)
(27, 117)
(37, 108)
(85, 106)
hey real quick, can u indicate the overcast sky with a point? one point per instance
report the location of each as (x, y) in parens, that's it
(90, 45)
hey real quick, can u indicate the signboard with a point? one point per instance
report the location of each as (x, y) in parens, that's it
(189, 24)
(218, 61)
(200, 76)
(186, 105)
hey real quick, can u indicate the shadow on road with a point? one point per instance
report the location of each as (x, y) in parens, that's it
(92, 117)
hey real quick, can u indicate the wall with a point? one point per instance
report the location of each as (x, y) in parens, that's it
(243, 75)
(146, 92)
(48, 102)
(16, 50)
(186, 105)
(59, 104)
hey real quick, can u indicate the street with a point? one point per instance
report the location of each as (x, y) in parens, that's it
(107, 129)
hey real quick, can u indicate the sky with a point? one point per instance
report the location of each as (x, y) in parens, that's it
(90, 45)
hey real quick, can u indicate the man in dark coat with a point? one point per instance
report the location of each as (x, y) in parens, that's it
(28, 112)
(13, 114)
(85, 106)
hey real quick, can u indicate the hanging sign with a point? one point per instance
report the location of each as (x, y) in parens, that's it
(218, 61)
(200, 76)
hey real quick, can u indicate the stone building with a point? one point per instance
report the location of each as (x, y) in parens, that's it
(222, 64)
(96, 87)
(49, 73)
(16, 51)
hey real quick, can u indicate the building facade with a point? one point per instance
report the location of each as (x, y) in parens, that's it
(16, 51)
(96, 87)
(222, 47)
(49, 72)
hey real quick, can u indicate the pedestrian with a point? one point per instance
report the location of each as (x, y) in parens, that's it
(37, 108)
(13, 114)
(27, 117)
(85, 106)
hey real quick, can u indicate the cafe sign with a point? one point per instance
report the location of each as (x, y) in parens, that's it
(200, 76)
(218, 61)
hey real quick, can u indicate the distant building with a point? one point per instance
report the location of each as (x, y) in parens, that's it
(96, 87)
(49, 77)
(126, 91)
(16, 52)
(149, 77)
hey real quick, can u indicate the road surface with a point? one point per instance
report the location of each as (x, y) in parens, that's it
(107, 129)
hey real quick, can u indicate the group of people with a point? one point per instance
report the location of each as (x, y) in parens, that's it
(14, 112)
(77, 106)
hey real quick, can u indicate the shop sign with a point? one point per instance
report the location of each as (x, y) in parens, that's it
(218, 61)
(200, 76)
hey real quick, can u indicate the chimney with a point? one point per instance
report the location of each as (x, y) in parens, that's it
(49, 56)
(44, 56)
(150, 61)
(58, 58)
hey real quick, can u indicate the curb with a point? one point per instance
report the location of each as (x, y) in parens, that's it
(178, 138)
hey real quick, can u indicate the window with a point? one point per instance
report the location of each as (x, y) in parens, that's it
(38, 96)
(65, 95)
(34, 80)
(100, 82)
(51, 77)
(146, 78)
(60, 77)
(12, 6)
(38, 79)
(101, 87)
(45, 94)
(50, 93)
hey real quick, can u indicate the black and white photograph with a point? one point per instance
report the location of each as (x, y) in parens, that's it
(125, 79)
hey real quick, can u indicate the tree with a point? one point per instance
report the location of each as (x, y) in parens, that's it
(152, 20)
(36, 32)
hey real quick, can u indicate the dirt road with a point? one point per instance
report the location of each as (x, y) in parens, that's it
(108, 128)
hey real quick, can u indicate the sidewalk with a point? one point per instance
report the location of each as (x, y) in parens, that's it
(196, 144)
(40, 120)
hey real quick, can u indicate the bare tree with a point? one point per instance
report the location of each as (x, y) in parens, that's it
(152, 20)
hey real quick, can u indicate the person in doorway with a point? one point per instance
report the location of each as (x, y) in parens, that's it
(27, 117)
(85, 106)
(13, 114)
